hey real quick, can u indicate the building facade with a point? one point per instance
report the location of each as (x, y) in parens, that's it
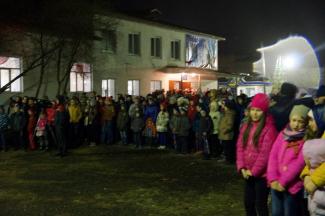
(134, 57)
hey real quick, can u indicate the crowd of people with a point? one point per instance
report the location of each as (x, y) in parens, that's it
(276, 140)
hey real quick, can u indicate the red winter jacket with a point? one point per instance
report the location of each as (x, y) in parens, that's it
(256, 159)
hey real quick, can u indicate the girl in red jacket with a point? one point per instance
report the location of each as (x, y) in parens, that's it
(254, 144)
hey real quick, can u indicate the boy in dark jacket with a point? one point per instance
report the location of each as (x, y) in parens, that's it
(137, 124)
(122, 123)
(183, 130)
(204, 128)
(4, 123)
(60, 125)
(18, 124)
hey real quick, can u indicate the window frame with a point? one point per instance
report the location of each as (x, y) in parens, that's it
(132, 93)
(132, 48)
(155, 81)
(156, 47)
(10, 72)
(173, 50)
(83, 80)
(109, 42)
(114, 88)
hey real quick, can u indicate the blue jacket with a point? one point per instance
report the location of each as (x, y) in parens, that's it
(151, 111)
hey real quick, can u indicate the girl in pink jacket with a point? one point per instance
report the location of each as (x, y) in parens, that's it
(253, 148)
(286, 163)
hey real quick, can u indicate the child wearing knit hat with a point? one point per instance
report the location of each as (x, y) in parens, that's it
(286, 163)
(254, 144)
(314, 155)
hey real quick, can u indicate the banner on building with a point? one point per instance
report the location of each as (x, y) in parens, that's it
(201, 52)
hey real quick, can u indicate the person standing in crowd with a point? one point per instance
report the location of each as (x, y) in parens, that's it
(31, 128)
(4, 124)
(162, 126)
(151, 110)
(314, 155)
(17, 124)
(254, 145)
(88, 122)
(214, 143)
(205, 126)
(60, 124)
(122, 123)
(150, 132)
(136, 107)
(183, 131)
(108, 113)
(75, 115)
(282, 105)
(226, 130)
(314, 178)
(50, 114)
(137, 124)
(41, 131)
(195, 128)
(286, 163)
(174, 124)
(191, 113)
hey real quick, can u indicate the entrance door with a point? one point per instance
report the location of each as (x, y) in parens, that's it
(176, 85)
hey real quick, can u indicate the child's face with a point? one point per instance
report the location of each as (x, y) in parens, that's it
(203, 113)
(255, 114)
(297, 123)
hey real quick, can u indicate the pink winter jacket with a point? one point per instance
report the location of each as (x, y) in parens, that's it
(255, 159)
(285, 164)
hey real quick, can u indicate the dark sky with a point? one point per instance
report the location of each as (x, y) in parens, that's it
(246, 24)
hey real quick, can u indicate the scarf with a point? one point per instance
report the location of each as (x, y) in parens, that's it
(290, 135)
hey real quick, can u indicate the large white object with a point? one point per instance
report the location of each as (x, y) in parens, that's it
(290, 60)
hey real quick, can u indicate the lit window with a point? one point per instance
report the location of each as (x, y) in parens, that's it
(80, 78)
(108, 88)
(155, 85)
(10, 68)
(175, 50)
(156, 47)
(134, 44)
(134, 87)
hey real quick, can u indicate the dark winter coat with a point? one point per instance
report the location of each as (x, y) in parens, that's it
(281, 111)
(137, 125)
(61, 117)
(184, 127)
(122, 120)
(18, 121)
(205, 125)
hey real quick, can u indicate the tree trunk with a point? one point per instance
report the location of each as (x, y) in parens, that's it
(42, 68)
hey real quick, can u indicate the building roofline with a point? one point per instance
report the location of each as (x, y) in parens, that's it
(158, 23)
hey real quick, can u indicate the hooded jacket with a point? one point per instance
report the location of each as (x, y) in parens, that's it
(286, 163)
(254, 158)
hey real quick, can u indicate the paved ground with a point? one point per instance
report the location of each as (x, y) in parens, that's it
(116, 180)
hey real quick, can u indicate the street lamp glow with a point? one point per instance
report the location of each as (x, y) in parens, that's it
(290, 62)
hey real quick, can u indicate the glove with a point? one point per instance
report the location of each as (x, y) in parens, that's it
(275, 185)
(244, 174)
(280, 187)
(249, 173)
(309, 185)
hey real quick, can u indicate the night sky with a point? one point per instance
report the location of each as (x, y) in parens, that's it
(246, 25)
